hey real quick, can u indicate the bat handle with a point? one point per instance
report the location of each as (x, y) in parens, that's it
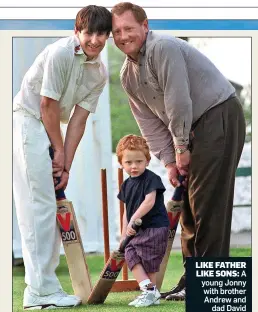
(177, 196)
(136, 225)
(59, 193)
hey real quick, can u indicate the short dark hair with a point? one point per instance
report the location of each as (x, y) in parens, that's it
(96, 19)
(138, 12)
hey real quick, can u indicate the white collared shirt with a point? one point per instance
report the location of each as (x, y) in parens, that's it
(61, 72)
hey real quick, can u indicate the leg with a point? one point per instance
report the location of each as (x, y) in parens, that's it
(152, 277)
(217, 146)
(139, 273)
(134, 264)
(144, 255)
(35, 203)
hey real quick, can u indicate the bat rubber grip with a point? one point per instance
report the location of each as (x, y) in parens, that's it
(136, 225)
(177, 196)
(59, 193)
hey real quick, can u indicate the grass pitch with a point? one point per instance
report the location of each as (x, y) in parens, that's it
(115, 301)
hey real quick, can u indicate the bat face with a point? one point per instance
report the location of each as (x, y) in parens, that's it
(66, 222)
(114, 266)
(173, 219)
(107, 278)
(73, 247)
(174, 210)
(111, 271)
(72, 244)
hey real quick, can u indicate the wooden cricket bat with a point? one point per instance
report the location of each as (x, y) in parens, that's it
(173, 207)
(73, 247)
(111, 271)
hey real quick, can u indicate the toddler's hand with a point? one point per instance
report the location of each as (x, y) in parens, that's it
(129, 230)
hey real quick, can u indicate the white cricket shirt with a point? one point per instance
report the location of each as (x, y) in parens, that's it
(61, 72)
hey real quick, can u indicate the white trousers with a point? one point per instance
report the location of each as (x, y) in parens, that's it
(35, 203)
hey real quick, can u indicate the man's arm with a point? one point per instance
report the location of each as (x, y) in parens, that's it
(154, 131)
(171, 69)
(158, 137)
(53, 84)
(74, 133)
(50, 114)
(76, 128)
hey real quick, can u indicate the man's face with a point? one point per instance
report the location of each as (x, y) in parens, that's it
(129, 35)
(91, 43)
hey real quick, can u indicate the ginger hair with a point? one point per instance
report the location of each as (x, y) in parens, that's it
(133, 143)
(138, 12)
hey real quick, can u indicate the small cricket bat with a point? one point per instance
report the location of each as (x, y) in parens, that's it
(111, 270)
(173, 207)
(73, 247)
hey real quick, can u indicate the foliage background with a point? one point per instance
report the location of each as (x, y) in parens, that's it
(122, 120)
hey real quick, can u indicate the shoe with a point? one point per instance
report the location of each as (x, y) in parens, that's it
(179, 296)
(147, 298)
(135, 301)
(56, 300)
(180, 286)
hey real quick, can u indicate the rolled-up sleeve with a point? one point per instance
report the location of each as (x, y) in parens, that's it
(55, 73)
(154, 131)
(169, 64)
(90, 102)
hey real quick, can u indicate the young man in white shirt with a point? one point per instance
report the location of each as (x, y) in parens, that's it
(66, 74)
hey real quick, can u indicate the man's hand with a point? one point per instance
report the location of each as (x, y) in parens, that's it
(63, 182)
(173, 174)
(182, 162)
(129, 230)
(58, 163)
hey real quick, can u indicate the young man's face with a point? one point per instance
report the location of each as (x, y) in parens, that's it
(91, 43)
(129, 35)
(134, 162)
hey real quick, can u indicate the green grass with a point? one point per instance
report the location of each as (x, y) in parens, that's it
(114, 301)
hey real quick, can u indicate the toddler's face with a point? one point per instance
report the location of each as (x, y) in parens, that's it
(134, 162)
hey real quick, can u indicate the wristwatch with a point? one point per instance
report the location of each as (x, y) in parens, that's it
(181, 150)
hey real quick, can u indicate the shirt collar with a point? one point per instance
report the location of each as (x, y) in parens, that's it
(141, 176)
(79, 51)
(143, 48)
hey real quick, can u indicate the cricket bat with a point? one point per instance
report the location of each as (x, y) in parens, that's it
(73, 247)
(173, 207)
(111, 270)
